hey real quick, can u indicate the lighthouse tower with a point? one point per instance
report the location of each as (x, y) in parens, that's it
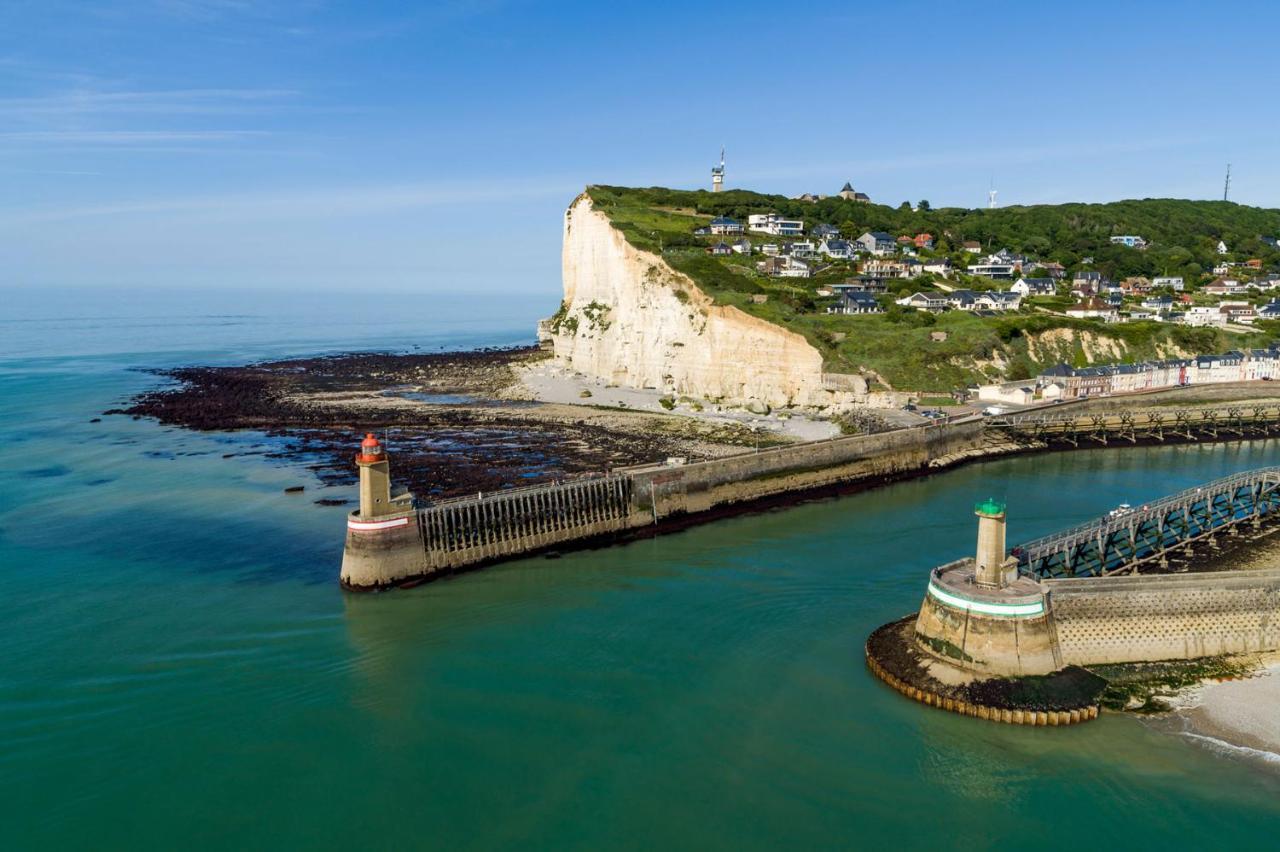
(717, 174)
(384, 543)
(991, 568)
(375, 479)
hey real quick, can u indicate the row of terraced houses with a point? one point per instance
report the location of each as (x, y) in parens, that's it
(1064, 382)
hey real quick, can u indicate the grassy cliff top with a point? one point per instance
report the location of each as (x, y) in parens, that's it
(899, 345)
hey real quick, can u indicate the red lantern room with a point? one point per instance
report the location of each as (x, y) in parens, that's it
(370, 450)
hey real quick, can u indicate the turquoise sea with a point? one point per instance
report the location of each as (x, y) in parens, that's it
(181, 671)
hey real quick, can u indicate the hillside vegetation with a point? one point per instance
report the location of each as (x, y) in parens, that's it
(899, 346)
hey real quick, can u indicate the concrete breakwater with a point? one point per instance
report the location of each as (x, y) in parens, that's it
(390, 548)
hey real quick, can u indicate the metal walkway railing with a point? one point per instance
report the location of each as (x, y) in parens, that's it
(1124, 541)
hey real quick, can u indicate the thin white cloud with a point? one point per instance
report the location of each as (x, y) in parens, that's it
(127, 137)
(320, 203)
(89, 102)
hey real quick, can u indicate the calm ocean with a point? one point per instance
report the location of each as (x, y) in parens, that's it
(181, 670)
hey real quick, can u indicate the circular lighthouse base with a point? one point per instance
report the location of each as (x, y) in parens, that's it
(1065, 697)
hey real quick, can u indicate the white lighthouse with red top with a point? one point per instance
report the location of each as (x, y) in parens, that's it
(375, 478)
(383, 541)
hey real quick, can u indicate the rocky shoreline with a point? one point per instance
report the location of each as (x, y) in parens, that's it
(456, 422)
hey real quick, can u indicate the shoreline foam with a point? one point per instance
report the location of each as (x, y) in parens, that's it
(1240, 718)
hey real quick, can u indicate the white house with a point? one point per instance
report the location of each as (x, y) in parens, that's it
(997, 300)
(1262, 364)
(1204, 316)
(742, 246)
(1015, 393)
(1172, 281)
(1093, 308)
(933, 302)
(795, 269)
(772, 223)
(1227, 367)
(1130, 241)
(938, 266)
(1034, 287)
(992, 270)
(1222, 247)
(1241, 312)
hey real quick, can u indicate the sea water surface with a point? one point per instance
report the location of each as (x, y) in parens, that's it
(181, 670)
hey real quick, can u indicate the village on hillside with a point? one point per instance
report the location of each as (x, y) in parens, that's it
(876, 272)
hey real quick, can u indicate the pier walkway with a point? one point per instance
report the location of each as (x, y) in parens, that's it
(1124, 541)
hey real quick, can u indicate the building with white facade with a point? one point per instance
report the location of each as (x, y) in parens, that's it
(772, 223)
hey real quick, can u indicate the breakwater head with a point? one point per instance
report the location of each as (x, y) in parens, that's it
(390, 545)
(1017, 630)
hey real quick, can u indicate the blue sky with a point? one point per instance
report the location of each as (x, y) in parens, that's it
(311, 145)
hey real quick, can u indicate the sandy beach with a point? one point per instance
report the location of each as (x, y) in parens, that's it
(547, 382)
(1239, 718)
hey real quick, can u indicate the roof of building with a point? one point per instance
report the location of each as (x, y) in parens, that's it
(847, 187)
(723, 220)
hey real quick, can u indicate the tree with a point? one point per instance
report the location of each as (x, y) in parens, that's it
(924, 206)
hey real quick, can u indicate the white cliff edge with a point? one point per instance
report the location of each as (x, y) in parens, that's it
(630, 319)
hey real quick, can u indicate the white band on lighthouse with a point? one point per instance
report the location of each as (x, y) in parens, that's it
(986, 607)
(369, 526)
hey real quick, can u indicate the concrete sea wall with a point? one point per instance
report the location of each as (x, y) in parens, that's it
(699, 487)
(1177, 617)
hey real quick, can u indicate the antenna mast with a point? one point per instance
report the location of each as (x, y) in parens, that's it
(991, 196)
(1226, 187)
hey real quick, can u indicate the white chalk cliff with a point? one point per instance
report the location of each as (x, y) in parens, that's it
(634, 321)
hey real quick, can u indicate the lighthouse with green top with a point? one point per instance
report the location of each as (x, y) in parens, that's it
(990, 569)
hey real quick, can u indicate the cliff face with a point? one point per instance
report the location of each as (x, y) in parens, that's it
(632, 320)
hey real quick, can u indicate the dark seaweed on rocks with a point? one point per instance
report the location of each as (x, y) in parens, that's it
(437, 451)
